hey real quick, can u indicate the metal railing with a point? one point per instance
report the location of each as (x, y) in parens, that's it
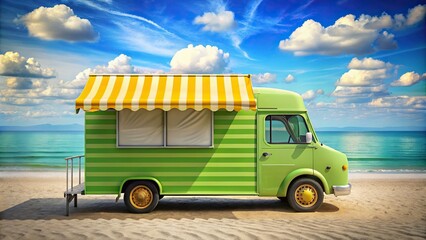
(68, 160)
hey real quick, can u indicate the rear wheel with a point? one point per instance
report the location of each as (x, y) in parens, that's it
(305, 195)
(141, 197)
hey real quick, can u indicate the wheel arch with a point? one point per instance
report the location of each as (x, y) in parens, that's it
(131, 180)
(302, 173)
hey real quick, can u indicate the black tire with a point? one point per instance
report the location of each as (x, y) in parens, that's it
(141, 197)
(305, 195)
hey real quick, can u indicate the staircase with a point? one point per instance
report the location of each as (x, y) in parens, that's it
(72, 191)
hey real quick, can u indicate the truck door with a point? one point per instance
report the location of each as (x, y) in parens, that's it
(282, 148)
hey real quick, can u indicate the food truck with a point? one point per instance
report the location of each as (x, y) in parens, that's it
(150, 136)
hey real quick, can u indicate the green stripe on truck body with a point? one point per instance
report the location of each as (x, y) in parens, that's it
(227, 168)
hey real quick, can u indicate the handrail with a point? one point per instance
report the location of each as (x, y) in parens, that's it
(68, 159)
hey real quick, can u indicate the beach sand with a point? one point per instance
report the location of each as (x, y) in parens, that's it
(381, 206)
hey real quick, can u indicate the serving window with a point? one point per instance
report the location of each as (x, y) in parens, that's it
(159, 128)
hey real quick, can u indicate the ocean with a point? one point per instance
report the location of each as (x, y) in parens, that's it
(380, 151)
(367, 151)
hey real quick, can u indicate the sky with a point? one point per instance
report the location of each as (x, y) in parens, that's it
(355, 63)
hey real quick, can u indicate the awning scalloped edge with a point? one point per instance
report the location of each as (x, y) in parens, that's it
(214, 92)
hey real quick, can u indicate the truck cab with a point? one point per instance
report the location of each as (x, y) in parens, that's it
(292, 163)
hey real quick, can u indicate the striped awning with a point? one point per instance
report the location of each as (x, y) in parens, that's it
(214, 92)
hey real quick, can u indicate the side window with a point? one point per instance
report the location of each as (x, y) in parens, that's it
(276, 130)
(157, 128)
(285, 129)
(298, 127)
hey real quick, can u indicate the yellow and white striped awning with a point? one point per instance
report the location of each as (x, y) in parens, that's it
(214, 92)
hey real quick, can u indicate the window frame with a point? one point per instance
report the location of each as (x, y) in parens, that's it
(117, 122)
(287, 128)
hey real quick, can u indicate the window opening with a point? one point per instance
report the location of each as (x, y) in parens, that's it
(285, 129)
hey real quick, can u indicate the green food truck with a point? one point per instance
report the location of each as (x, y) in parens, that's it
(150, 136)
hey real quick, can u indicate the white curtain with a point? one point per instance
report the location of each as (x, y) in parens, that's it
(189, 128)
(140, 128)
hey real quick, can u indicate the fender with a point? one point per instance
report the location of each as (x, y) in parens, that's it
(160, 187)
(323, 180)
(282, 190)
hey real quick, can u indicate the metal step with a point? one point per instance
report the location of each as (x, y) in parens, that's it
(71, 193)
(79, 189)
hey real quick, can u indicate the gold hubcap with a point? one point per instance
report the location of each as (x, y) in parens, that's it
(141, 197)
(306, 195)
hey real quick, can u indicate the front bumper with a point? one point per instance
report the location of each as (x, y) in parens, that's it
(342, 190)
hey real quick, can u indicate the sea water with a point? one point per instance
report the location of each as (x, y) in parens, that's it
(38, 150)
(367, 151)
(380, 151)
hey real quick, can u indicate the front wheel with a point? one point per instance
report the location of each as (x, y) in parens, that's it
(305, 195)
(141, 197)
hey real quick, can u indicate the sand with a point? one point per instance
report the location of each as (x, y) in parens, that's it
(381, 206)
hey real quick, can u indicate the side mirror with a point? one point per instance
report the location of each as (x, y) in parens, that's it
(308, 137)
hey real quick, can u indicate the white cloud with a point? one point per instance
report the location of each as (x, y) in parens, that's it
(374, 22)
(79, 81)
(409, 79)
(415, 15)
(365, 72)
(58, 23)
(200, 59)
(363, 82)
(355, 77)
(406, 102)
(36, 92)
(311, 94)
(121, 64)
(319, 92)
(332, 114)
(346, 36)
(263, 78)
(367, 63)
(385, 41)
(58, 92)
(19, 101)
(13, 64)
(358, 92)
(8, 112)
(349, 35)
(326, 105)
(290, 78)
(216, 22)
(19, 83)
(45, 113)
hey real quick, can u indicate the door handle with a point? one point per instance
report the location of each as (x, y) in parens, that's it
(314, 147)
(266, 154)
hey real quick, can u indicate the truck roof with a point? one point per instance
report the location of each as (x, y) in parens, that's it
(282, 100)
